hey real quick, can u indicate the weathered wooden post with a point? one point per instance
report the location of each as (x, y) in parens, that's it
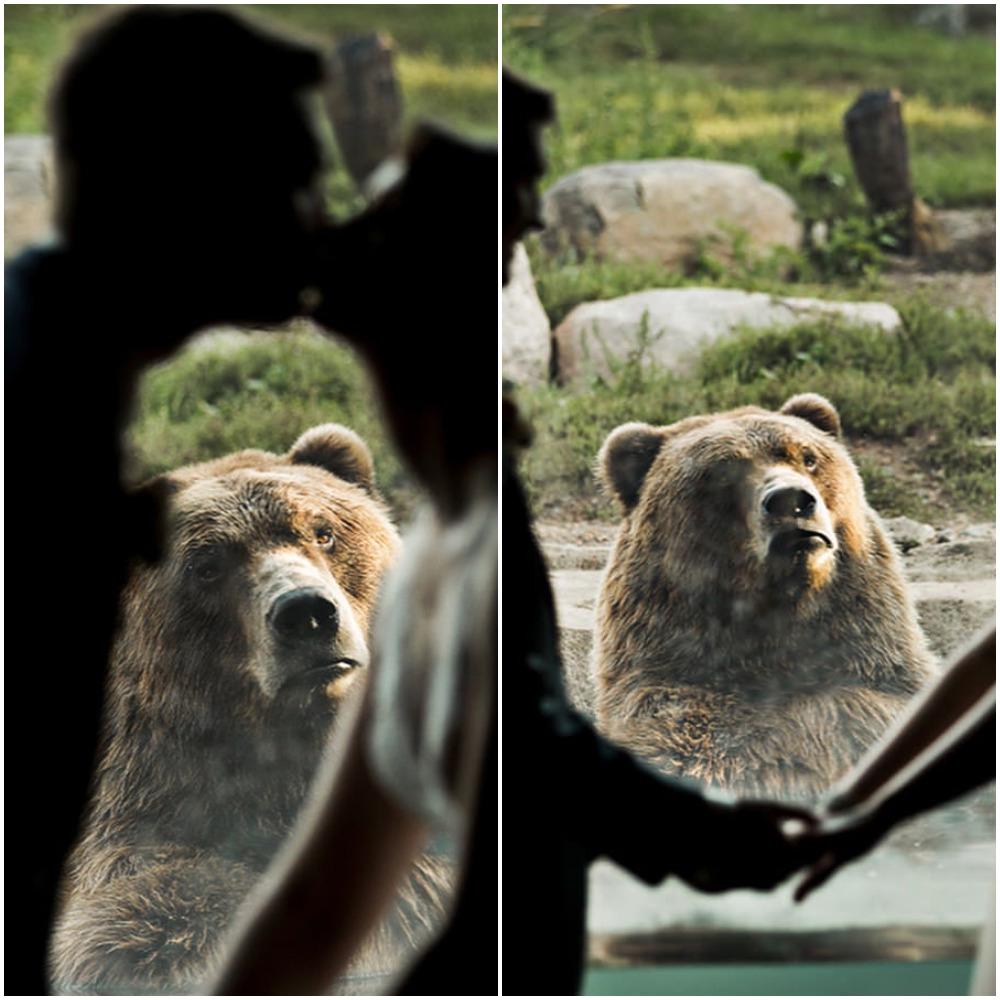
(876, 138)
(364, 103)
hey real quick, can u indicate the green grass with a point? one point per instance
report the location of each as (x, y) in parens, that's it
(762, 44)
(751, 83)
(227, 393)
(931, 389)
(768, 85)
(761, 85)
(446, 58)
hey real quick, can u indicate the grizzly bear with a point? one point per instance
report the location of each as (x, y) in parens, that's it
(753, 630)
(234, 652)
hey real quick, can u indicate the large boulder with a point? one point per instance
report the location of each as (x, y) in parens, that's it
(526, 333)
(27, 192)
(661, 210)
(670, 327)
(961, 239)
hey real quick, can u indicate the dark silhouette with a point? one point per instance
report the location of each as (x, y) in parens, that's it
(410, 284)
(572, 796)
(185, 167)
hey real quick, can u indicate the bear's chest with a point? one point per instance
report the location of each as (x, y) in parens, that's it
(791, 745)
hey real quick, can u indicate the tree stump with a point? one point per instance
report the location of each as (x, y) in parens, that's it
(876, 138)
(364, 103)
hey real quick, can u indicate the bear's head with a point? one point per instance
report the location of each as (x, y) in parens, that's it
(253, 625)
(748, 507)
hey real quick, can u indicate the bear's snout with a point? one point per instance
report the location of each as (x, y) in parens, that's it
(308, 632)
(795, 518)
(304, 616)
(789, 502)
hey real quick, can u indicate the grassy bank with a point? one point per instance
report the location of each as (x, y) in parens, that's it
(929, 392)
(232, 391)
(765, 85)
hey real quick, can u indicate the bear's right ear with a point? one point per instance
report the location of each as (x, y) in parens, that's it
(625, 459)
(338, 450)
(817, 409)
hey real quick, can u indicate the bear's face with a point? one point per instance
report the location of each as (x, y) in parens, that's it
(749, 506)
(257, 615)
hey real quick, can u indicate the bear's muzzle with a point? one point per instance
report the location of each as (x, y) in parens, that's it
(796, 521)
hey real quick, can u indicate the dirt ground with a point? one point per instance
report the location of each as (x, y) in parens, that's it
(962, 289)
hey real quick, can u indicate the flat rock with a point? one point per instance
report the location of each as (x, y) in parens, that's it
(907, 533)
(525, 329)
(986, 531)
(577, 556)
(27, 193)
(962, 559)
(664, 210)
(670, 327)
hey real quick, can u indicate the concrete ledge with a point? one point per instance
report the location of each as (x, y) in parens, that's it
(694, 945)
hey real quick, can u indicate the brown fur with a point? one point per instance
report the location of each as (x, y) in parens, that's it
(723, 656)
(213, 728)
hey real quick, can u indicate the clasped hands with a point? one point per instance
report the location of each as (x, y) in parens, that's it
(757, 845)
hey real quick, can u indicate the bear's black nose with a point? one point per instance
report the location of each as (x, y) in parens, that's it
(789, 501)
(304, 615)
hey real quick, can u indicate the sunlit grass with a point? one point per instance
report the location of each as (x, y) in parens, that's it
(446, 54)
(749, 83)
(226, 393)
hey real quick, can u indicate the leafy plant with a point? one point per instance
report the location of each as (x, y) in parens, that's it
(855, 247)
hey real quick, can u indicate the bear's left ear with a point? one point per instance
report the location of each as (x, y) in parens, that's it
(625, 458)
(338, 450)
(819, 411)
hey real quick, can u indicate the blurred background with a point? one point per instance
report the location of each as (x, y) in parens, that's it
(235, 389)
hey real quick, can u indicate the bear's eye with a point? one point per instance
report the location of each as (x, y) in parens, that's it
(809, 459)
(324, 536)
(206, 568)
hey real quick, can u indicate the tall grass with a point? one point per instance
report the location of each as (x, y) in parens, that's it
(930, 388)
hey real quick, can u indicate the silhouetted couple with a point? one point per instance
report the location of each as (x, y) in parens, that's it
(189, 195)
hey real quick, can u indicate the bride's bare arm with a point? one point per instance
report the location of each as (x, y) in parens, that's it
(942, 749)
(932, 713)
(330, 886)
